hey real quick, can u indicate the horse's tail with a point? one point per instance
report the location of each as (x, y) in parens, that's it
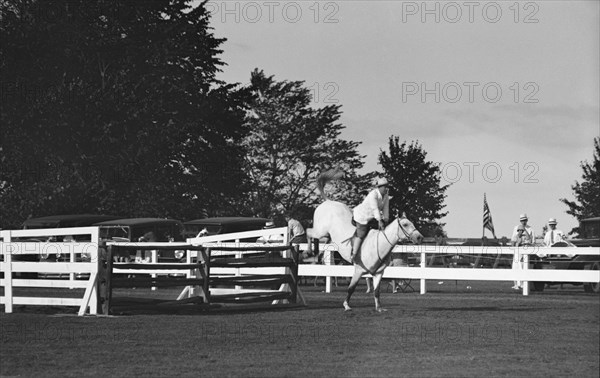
(325, 177)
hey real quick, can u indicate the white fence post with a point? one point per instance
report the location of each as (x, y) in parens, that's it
(525, 266)
(71, 259)
(8, 289)
(94, 259)
(154, 259)
(423, 265)
(238, 272)
(328, 258)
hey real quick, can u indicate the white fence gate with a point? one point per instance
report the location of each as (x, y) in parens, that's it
(19, 246)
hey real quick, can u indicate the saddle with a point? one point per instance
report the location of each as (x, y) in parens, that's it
(372, 225)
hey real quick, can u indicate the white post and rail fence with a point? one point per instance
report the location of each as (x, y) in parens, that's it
(20, 266)
(423, 273)
(19, 251)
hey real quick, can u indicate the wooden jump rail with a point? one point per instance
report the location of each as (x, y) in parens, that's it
(288, 282)
(201, 270)
(202, 279)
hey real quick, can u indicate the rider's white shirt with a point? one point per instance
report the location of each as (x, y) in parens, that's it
(374, 206)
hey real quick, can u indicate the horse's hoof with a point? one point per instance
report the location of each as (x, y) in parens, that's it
(381, 309)
(347, 307)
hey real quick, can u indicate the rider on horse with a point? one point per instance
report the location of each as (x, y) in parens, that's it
(335, 219)
(375, 206)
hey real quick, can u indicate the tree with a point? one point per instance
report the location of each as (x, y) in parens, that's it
(115, 107)
(414, 183)
(289, 144)
(587, 193)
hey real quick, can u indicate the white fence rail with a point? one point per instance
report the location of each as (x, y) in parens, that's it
(424, 273)
(16, 244)
(17, 247)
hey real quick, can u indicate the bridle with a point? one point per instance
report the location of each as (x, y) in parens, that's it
(408, 236)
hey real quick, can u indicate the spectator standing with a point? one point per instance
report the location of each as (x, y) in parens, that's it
(296, 231)
(523, 235)
(553, 235)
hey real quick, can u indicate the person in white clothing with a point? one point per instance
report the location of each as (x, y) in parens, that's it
(523, 235)
(296, 231)
(375, 206)
(553, 235)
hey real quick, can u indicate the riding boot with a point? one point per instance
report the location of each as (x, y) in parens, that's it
(355, 248)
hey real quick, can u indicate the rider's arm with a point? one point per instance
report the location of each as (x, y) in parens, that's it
(386, 208)
(374, 205)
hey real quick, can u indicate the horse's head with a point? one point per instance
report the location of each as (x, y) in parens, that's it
(408, 230)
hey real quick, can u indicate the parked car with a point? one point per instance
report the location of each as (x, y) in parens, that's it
(145, 230)
(224, 225)
(59, 221)
(466, 259)
(589, 233)
(589, 236)
(71, 220)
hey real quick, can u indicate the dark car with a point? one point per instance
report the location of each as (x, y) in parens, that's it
(589, 233)
(223, 225)
(145, 230)
(58, 221)
(589, 236)
(61, 221)
(466, 259)
(71, 220)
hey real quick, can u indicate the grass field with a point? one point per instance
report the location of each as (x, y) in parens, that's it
(451, 331)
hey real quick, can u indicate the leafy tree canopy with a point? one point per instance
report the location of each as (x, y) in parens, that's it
(289, 144)
(414, 184)
(114, 107)
(587, 193)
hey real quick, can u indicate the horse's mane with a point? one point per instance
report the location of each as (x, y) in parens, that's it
(325, 177)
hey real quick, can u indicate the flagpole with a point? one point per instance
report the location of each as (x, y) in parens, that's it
(483, 228)
(487, 218)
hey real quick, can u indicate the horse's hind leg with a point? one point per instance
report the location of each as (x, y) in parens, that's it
(355, 278)
(377, 284)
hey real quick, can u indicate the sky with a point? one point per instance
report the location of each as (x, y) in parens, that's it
(503, 95)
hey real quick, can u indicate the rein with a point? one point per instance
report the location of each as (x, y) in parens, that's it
(408, 236)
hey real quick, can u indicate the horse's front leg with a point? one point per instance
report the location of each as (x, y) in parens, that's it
(377, 284)
(358, 272)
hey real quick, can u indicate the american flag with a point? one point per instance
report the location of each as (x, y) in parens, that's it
(487, 217)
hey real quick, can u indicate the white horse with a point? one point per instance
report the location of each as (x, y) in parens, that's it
(335, 219)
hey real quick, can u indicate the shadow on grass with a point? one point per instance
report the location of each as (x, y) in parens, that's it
(144, 306)
(489, 308)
